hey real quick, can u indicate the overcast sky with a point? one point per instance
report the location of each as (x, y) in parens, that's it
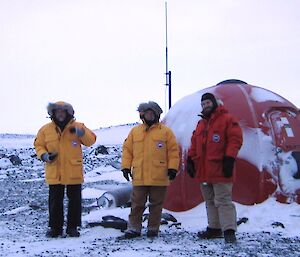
(105, 56)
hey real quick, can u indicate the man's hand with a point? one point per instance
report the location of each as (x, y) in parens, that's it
(172, 174)
(126, 174)
(78, 131)
(190, 167)
(49, 157)
(228, 164)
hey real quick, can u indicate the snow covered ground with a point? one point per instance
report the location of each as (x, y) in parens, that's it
(272, 229)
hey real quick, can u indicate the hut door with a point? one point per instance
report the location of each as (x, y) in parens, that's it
(285, 127)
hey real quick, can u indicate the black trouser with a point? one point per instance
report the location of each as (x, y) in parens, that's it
(56, 205)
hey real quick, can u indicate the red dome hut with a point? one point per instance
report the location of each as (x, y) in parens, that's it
(268, 163)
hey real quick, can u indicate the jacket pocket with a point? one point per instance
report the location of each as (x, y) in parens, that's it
(51, 143)
(138, 144)
(214, 168)
(160, 170)
(137, 170)
(76, 169)
(51, 170)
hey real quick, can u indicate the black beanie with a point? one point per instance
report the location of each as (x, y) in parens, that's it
(211, 97)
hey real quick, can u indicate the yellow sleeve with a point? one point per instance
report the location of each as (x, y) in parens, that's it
(40, 144)
(127, 152)
(173, 151)
(89, 137)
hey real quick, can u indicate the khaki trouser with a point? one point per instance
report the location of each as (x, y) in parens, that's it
(139, 197)
(221, 212)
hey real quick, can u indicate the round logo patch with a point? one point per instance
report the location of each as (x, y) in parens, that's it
(160, 144)
(216, 138)
(74, 143)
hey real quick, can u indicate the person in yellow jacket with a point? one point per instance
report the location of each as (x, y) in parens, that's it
(151, 158)
(58, 144)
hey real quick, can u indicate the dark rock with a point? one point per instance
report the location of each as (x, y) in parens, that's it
(165, 217)
(163, 222)
(101, 149)
(15, 160)
(110, 221)
(35, 206)
(242, 220)
(2, 155)
(175, 224)
(145, 216)
(277, 224)
(168, 217)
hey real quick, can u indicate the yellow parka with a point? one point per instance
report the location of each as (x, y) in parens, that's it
(149, 153)
(67, 168)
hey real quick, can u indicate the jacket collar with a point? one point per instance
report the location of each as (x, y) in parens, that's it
(220, 110)
(158, 124)
(57, 128)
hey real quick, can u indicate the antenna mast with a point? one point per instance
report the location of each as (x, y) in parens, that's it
(168, 73)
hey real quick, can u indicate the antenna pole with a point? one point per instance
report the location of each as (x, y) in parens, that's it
(168, 73)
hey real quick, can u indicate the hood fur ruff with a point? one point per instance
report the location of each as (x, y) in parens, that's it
(60, 105)
(150, 105)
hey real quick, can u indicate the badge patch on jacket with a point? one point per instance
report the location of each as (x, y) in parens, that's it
(74, 143)
(216, 138)
(160, 144)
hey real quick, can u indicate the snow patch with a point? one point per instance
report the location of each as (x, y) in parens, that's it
(113, 135)
(288, 168)
(262, 95)
(4, 163)
(92, 193)
(16, 210)
(184, 117)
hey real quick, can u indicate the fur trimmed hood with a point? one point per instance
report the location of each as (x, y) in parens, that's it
(150, 105)
(60, 105)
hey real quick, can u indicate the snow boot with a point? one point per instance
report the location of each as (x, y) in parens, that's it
(229, 236)
(131, 234)
(210, 233)
(54, 232)
(72, 232)
(152, 233)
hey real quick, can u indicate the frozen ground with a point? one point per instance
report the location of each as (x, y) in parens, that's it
(23, 213)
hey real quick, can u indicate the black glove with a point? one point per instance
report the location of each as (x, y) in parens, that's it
(172, 174)
(78, 131)
(126, 174)
(49, 157)
(228, 163)
(190, 167)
